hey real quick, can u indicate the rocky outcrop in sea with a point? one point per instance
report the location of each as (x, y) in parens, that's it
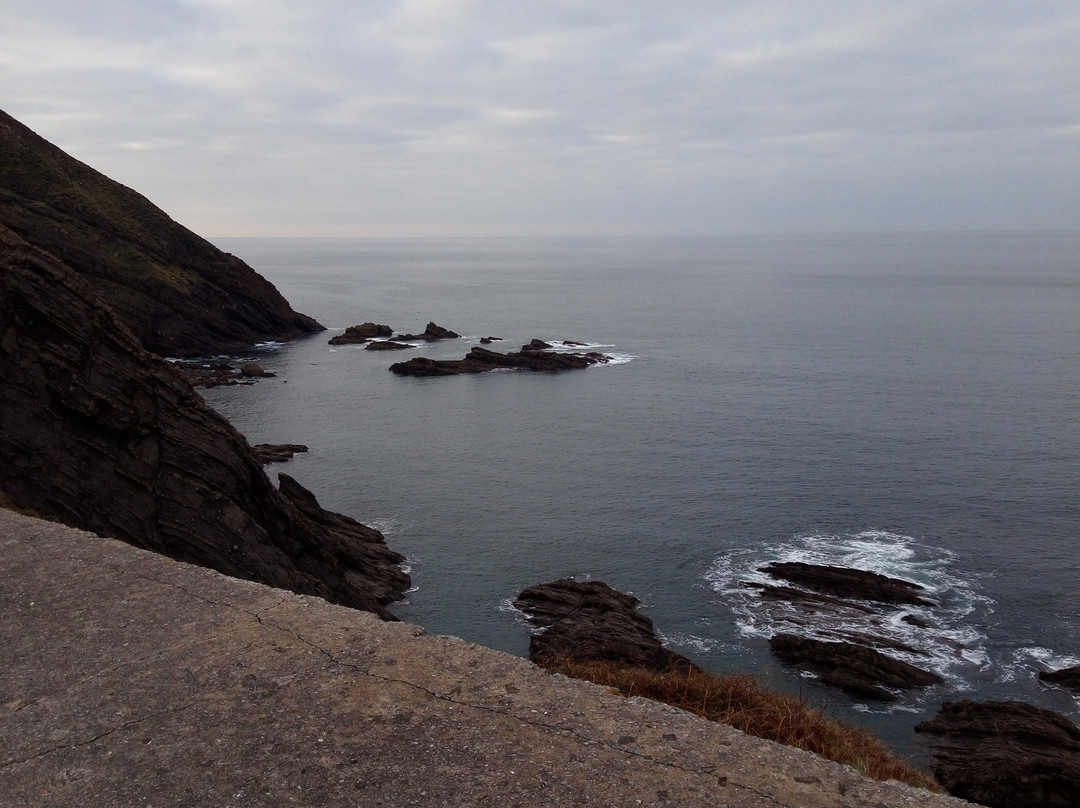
(838, 618)
(481, 360)
(588, 620)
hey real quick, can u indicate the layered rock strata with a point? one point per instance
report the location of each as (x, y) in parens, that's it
(1066, 677)
(101, 434)
(588, 620)
(178, 293)
(481, 360)
(857, 669)
(1005, 754)
(831, 603)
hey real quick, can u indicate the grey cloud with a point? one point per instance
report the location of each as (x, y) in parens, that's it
(481, 116)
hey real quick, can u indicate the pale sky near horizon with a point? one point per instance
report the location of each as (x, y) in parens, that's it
(451, 117)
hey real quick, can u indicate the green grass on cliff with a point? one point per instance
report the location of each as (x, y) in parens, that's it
(744, 703)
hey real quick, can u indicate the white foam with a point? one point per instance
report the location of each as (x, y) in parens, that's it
(692, 642)
(954, 644)
(1028, 662)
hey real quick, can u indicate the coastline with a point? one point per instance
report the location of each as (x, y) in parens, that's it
(190, 686)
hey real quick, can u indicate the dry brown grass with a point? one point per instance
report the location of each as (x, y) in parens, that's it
(744, 703)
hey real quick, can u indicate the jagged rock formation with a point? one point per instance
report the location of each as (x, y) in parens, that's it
(481, 360)
(1066, 677)
(432, 333)
(364, 332)
(277, 452)
(831, 602)
(846, 582)
(179, 294)
(101, 434)
(588, 620)
(857, 669)
(1006, 753)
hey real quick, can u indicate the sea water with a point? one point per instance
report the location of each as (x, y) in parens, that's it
(906, 404)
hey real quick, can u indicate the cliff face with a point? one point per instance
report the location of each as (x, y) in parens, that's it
(101, 434)
(180, 295)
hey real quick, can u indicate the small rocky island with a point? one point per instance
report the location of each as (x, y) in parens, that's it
(535, 356)
(379, 337)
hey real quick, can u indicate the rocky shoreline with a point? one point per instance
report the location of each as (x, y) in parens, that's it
(100, 432)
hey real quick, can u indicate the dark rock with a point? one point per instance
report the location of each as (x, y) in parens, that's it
(1005, 754)
(845, 582)
(811, 602)
(386, 345)
(178, 293)
(854, 668)
(537, 345)
(99, 433)
(211, 374)
(433, 333)
(481, 360)
(588, 620)
(489, 340)
(277, 452)
(251, 370)
(1066, 677)
(361, 333)
(918, 622)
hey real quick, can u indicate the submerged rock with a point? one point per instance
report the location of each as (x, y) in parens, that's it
(857, 669)
(386, 345)
(481, 360)
(1005, 754)
(588, 620)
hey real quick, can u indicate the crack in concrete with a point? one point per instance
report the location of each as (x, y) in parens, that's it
(119, 728)
(721, 780)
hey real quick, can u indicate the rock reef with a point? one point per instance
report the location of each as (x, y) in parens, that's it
(481, 360)
(856, 669)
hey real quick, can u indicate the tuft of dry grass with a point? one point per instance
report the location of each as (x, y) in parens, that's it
(746, 704)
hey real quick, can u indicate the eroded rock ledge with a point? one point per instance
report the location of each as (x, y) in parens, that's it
(1005, 754)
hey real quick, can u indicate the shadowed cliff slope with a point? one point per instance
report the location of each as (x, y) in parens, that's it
(103, 435)
(179, 294)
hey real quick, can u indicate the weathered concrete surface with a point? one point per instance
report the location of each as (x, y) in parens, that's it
(130, 679)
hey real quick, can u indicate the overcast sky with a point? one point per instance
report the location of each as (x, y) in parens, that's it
(328, 117)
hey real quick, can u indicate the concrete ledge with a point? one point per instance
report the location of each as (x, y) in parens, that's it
(131, 679)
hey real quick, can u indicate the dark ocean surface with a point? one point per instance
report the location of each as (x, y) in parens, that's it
(908, 404)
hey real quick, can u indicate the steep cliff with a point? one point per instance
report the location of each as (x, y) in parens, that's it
(101, 434)
(179, 294)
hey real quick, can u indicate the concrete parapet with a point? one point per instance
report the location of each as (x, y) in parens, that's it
(131, 679)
